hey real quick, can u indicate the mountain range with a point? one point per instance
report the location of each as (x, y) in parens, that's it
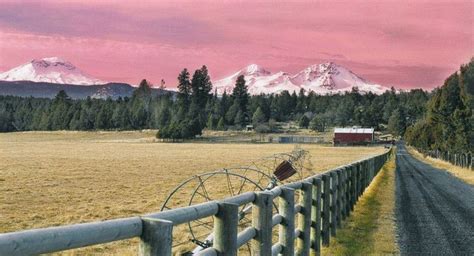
(323, 78)
(45, 77)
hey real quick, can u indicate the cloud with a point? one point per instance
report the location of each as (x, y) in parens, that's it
(387, 42)
(79, 20)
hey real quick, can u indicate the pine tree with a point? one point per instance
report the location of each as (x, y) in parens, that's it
(221, 124)
(240, 94)
(239, 119)
(396, 123)
(201, 87)
(258, 117)
(60, 117)
(210, 122)
(184, 89)
(318, 123)
(304, 122)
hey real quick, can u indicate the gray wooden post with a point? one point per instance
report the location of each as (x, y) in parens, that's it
(357, 181)
(326, 211)
(286, 208)
(226, 222)
(156, 238)
(371, 170)
(364, 177)
(316, 218)
(344, 202)
(262, 222)
(353, 186)
(361, 177)
(348, 190)
(339, 198)
(333, 203)
(303, 241)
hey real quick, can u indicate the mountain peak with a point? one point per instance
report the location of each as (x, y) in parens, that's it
(52, 59)
(254, 69)
(50, 70)
(323, 78)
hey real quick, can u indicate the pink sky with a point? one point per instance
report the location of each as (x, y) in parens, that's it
(405, 44)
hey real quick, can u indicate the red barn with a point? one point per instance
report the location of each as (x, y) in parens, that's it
(353, 136)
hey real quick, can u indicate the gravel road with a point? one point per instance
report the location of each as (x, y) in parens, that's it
(434, 210)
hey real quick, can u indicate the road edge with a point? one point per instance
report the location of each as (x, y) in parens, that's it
(371, 228)
(464, 174)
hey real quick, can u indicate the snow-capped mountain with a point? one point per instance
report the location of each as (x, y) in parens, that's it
(322, 79)
(51, 70)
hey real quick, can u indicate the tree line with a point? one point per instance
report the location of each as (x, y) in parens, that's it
(448, 124)
(195, 107)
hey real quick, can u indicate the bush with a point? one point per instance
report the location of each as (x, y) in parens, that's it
(262, 128)
(304, 122)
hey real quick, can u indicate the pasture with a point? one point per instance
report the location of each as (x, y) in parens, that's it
(57, 178)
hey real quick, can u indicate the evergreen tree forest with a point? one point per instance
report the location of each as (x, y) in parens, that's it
(448, 124)
(428, 120)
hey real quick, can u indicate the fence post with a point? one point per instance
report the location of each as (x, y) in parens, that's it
(326, 211)
(304, 221)
(339, 198)
(225, 229)
(333, 203)
(262, 222)
(361, 179)
(353, 185)
(366, 175)
(316, 218)
(156, 238)
(346, 191)
(286, 208)
(372, 169)
(356, 181)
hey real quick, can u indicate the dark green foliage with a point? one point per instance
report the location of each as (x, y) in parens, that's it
(448, 123)
(258, 117)
(184, 88)
(318, 123)
(397, 122)
(263, 128)
(221, 124)
(240, 94)
(144, 111)
(304, 122)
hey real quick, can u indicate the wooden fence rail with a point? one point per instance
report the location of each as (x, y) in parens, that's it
(463, 159)
(324, 201)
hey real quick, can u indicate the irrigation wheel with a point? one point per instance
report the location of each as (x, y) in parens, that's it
(209, 187)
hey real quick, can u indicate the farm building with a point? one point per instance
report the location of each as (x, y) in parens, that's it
(353, 136)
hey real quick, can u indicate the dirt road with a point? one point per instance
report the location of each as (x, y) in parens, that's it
(435, 210)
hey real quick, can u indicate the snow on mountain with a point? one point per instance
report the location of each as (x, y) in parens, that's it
(322, 79)
(50, 70)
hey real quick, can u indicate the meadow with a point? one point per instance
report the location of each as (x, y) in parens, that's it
(57, 178)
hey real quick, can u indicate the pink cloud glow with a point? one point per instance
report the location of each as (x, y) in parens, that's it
(402, 44)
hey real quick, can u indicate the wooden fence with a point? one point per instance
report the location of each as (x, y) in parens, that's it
(324, 201)
(464, 160)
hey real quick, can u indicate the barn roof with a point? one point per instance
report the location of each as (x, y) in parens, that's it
(354, 130)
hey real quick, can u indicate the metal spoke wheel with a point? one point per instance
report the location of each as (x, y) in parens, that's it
(263, 174)
(213, 186)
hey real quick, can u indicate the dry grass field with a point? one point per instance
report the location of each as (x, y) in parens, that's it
(57, 178)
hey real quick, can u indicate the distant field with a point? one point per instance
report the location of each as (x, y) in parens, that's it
(56, 178)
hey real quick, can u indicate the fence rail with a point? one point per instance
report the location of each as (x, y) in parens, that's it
(324, 201)
(464, 160)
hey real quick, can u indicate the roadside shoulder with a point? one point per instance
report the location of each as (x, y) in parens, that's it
(461, 173)
(370, 230)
